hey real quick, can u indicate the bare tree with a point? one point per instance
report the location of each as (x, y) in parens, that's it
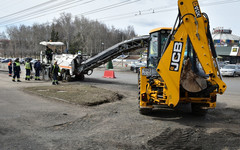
(79, 33)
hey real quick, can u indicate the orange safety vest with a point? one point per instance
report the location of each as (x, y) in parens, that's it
(10, 64)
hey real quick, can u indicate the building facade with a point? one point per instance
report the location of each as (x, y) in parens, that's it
(227, 45)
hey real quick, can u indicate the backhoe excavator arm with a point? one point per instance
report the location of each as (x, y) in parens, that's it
(193, 25)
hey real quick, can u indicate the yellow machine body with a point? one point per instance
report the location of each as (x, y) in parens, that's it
(163, 86)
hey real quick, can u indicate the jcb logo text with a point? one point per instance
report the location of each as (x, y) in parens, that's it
(197, 9)
(176, 56)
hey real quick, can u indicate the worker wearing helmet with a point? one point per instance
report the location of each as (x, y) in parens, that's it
(55, 69)
(28, 67)
(16, 70)
(10, 68)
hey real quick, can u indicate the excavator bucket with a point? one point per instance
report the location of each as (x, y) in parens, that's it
(190, 81)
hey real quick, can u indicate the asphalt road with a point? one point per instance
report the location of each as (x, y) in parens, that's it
(29, 122)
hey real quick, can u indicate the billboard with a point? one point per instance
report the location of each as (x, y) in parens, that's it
(234, 51)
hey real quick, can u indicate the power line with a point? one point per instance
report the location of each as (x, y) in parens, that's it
(25, 10)
(135, 13)
(109, 18)
(156, 10)
(48, 9)
(108, 7)
(61, 4)
(31, 14)
(76, 5)
(142, 14)
(31, 17)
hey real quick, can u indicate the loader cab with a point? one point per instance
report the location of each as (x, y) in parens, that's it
(158, 38)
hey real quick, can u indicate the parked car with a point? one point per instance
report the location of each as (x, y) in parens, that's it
(28, 58)
(5, 60)
(135, 67)
(22, 61)
(33, 61)
(230, 70)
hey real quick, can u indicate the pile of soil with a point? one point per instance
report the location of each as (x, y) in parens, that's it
(76, 94)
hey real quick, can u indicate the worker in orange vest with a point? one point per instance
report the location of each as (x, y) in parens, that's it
(10, 68)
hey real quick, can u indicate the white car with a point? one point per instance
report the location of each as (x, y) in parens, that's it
(33, 61)
(230, 70)
(135, 67)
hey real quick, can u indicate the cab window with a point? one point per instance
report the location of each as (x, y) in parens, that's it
(153, 50)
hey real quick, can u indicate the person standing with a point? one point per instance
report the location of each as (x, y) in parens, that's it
(28, 67)
(55, 69)
(37, 67)
(16, 70)
(49, 53)
(10, 68)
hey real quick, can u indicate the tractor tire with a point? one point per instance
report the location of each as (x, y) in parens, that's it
(197, 110)
(234, 74)
(68, 78)
(65, 75)
(80, 77)
(145, 111)
(135, 70)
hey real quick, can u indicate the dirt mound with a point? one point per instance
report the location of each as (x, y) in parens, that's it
(76, 94)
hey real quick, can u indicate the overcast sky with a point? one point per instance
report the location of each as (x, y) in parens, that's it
(143, 15)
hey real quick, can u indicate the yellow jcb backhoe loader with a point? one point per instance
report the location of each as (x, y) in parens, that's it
(182, 64)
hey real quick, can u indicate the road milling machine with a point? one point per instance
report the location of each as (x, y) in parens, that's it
(182, 64)
(68, 63)
(79, 65)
